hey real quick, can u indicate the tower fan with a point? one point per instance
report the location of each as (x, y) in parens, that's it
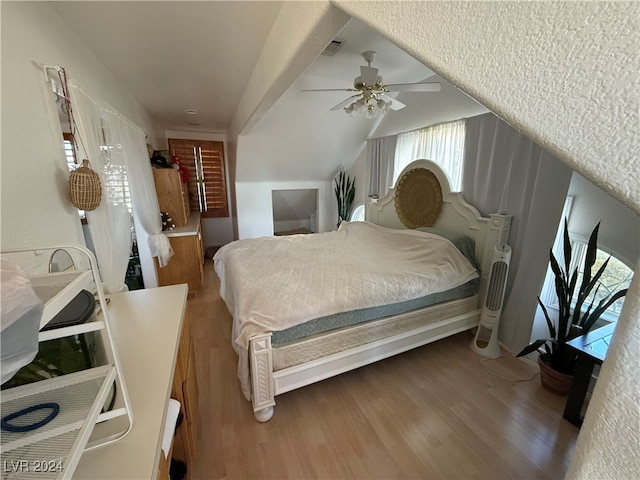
(485, 342)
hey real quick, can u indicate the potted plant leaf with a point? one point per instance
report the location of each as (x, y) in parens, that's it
(345, 192)
(557, 360)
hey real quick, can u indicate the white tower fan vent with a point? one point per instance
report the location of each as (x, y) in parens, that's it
(485, 342)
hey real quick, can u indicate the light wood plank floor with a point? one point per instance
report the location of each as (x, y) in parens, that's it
(434, 412)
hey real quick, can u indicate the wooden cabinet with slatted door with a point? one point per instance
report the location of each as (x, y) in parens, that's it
(172, 194)
(204, 161)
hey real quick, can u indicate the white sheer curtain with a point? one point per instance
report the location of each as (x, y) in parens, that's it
(113, 145)
(142, 188)
(443, 144)
(505, 172)
(380, 161)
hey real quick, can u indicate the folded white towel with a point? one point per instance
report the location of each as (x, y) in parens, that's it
(173, 409)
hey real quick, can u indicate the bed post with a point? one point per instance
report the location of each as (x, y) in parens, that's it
(260, 361)
(497, 233)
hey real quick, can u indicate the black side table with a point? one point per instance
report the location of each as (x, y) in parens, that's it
(592, 349)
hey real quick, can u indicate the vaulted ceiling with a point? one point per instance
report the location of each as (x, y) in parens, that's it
(176, 57)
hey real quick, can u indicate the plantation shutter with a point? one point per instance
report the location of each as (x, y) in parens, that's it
(204, 161)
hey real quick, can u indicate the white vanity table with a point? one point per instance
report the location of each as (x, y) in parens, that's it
(146, 327)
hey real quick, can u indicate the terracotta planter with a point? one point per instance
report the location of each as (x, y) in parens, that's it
(554, 381)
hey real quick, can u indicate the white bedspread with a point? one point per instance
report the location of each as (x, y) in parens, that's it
(273, 283)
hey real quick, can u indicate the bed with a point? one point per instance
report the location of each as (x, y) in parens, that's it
(309, 307)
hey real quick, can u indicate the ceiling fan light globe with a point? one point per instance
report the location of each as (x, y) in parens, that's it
(383, 106)
(368, 106)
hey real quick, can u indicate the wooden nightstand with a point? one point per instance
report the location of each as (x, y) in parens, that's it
(592, 350)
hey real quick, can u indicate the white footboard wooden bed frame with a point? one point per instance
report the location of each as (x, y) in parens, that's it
(457, 216)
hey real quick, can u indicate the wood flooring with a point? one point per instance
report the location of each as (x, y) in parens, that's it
(432, 413)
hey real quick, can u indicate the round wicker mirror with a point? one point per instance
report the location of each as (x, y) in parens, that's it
(418, 198)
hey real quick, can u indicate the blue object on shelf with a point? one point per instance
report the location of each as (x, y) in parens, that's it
(9, 427)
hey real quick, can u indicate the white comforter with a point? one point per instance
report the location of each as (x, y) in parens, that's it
(273, 283)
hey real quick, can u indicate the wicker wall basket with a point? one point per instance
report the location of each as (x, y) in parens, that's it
(418, 198)
(85, 190)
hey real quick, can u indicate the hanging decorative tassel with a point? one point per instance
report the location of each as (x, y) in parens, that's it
(85, 190)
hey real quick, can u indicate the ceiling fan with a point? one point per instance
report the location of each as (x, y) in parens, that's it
(372, 97)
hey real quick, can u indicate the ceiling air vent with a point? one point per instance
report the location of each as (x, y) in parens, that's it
(333, 47)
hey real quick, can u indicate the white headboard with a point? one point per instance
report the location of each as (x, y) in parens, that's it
(456, 215)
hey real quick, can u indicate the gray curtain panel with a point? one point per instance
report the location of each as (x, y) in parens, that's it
(505, 172)
(380, 157)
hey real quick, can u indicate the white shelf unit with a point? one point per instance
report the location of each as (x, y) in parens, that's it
(82, 395)
(55, 448)
(56, 290)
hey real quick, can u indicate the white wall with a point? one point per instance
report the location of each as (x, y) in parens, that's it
(359, 171)
(35, 208)
(255, 211)
(301, 31)
(299, 138)
(284, 152)
(619, 230)
(215, 231)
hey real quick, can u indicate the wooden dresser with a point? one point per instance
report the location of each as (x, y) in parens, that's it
(187, 263)
(185, 390)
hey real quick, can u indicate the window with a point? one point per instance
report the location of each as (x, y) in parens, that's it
(70, 151)
(116, 182)
(617, 276)
(357, 215)
(204, 161)
(443, 144)
(72, 163)
(114, 171)
(115, 175)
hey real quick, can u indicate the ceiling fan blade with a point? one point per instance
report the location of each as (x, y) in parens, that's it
(344, 103)
(415, 87)
(395, 104)
(369, 75)
(330, 90)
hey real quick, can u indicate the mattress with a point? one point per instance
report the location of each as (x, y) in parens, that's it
(463, 243)
(318, 346)
(354, 317)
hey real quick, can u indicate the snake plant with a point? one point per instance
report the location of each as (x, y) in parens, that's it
(573, 320)
(345, 192)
